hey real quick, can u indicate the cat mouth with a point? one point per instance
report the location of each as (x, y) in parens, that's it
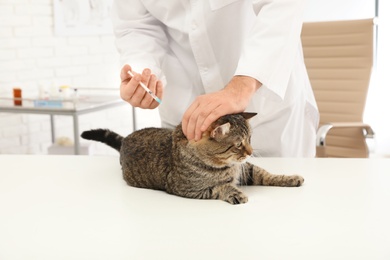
(243, 159)
(235, 159)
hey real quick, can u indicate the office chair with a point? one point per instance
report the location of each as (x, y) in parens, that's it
(339, 61)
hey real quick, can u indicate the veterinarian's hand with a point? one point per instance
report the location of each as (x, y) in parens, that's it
(234, 98)
(134, 94)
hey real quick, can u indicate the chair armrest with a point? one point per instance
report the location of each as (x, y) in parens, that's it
(324, 129)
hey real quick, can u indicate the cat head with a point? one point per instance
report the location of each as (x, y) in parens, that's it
(227, 140)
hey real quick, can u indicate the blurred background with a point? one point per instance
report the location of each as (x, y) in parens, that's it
(45, 44)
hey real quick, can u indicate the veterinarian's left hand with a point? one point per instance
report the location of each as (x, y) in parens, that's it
(234, 98)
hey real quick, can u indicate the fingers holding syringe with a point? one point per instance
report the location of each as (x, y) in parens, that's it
(124, 75)
(156, 87)
(150, 83)
(136, 95)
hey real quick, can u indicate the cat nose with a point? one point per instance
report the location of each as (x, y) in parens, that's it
(249, 150)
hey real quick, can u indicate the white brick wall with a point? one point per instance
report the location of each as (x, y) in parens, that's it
(32, 55)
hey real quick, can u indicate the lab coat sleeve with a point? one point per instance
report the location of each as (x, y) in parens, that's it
(140, 38)
(272, 46)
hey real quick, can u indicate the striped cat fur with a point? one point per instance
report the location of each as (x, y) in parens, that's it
(211, 168)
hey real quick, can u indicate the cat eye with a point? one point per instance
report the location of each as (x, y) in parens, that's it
(239, 145)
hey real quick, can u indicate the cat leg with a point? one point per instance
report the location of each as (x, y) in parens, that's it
(254, 175)
(226, 192)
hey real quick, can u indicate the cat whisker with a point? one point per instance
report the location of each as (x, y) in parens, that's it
(256, 154)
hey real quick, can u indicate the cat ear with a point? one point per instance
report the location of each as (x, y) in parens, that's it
(220, 131)
(247, 115)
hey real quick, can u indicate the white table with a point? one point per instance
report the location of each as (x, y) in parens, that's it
(78, 207)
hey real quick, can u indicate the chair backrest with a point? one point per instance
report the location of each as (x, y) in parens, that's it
(339, 61)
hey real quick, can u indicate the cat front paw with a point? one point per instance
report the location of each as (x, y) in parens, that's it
(294, 181)
(237, 197)
(229, 193)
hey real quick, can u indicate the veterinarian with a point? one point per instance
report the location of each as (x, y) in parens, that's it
(208, 58)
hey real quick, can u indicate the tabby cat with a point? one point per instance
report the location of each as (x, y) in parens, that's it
(211, 168)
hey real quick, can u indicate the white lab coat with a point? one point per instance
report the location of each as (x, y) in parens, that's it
(196, 46)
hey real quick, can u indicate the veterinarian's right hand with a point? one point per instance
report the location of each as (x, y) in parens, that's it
(134, 94)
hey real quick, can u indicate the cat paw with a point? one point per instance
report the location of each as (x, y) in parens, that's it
(294, 181)
(237, 198)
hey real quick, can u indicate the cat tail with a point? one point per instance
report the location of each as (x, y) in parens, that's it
(106, 136)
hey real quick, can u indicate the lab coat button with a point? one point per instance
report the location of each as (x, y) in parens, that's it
(194, 26)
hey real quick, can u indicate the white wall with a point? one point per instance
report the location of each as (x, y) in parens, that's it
(322, 10)
(378, 105)
(32, 55)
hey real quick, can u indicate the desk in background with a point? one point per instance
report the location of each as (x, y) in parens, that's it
(79, 207)
(83, 105)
